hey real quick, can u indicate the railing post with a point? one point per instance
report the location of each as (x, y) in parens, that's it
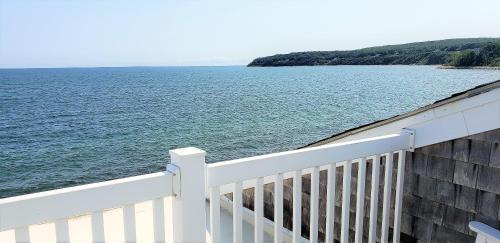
(188, 206)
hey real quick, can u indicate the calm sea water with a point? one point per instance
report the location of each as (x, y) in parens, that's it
(65, 127)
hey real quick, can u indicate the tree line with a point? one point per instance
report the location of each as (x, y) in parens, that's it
(451, 52)
(487, 55)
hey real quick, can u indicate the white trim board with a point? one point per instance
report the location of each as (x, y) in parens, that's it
(460, 118)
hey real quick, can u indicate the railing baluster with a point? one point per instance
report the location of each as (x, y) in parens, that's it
(259, 210)
(215, 214)
(237, 214)
(360, 201)
(297, 206)
(346, 201)
(330, 202)
(374, 199)
(159, 220)
(313, 232)
(62, 231)
(97, 221)
(129, 223)
(278, 209)
(386, 210)
(22, 234)
(399, 195)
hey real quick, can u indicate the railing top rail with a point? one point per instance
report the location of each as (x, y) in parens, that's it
(73, 201)
(485, 231)
(231, 171)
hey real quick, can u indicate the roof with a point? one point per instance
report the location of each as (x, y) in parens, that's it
(453, 98)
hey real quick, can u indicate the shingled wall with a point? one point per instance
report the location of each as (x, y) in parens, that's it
(450, 184)
(447, 185)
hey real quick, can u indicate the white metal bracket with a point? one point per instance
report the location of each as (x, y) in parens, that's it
(411, 133)
(176, 179)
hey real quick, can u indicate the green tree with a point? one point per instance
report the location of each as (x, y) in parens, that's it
(463, 58)
(496, 62)
(488, 53)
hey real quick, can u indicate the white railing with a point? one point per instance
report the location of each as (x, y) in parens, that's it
(485, 234)
(58, 206)
(236, 175)
(188, 181)
(186, 208)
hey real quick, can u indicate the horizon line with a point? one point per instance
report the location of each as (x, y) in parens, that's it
(133, 66)
(229, 65)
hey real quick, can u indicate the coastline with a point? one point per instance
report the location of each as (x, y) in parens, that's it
(471, 67)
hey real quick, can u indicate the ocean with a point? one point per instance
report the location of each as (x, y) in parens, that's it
(72, 126)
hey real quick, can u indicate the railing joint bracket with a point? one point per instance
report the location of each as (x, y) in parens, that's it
(411, 133)
(176, 179)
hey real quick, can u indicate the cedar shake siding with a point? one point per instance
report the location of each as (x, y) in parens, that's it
(449, 184)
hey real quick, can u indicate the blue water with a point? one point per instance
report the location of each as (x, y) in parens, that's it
(65, 127)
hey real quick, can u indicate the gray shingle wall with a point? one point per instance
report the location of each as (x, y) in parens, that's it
(446, 186)
(449, 184)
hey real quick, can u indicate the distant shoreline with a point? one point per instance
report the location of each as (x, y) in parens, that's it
(453, 52)
(471, 67)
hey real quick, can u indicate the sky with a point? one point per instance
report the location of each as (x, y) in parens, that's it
(104, 33)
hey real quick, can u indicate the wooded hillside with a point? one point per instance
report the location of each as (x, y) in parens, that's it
(452, 52)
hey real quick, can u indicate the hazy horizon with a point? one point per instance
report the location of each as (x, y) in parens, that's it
(220, 65)
(57, 33)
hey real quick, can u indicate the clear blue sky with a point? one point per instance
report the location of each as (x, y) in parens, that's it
(62, 33)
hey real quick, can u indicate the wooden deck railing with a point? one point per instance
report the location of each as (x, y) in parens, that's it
(57, 206)
(189, 180)
(236, 175)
